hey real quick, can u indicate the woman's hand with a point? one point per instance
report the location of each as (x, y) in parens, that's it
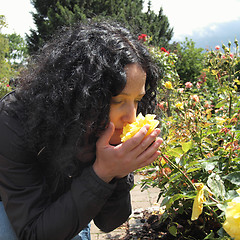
(118, 161)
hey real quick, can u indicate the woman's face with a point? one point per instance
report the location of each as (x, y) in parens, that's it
(123, 107)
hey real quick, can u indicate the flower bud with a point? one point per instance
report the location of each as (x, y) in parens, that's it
(229, 44)
(236, 42)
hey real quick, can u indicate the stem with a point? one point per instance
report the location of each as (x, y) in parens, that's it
(169, 104)
(213, 199)
(176, 167)
(215, 215)
(230, 155)
(199, 143)
(230, 105)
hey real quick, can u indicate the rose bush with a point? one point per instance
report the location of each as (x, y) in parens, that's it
(201, 130)
(4, 87)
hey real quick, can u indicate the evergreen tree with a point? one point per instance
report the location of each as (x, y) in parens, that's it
(52, 14)
(157, 26)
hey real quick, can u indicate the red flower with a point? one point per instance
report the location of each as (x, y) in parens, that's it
(164, 50)
(142, 37)
(8, 85)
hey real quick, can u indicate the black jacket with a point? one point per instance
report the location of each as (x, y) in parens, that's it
(29, 204)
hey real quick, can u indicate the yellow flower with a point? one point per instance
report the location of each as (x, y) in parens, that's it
(129, 130)
(168, 85)
(220, 120)
(198, 201)
(232, 223)
(179, 105)
(163, 162)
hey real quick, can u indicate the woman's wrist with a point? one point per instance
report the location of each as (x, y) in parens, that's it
(101, 173)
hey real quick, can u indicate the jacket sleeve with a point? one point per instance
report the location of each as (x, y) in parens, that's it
(118, 207)
(28, 205)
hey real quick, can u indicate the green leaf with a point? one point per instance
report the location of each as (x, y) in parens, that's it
(210, 236)
(193, 169)
(175, 152)
(233, 177)
(186, 146)
(197, 139)
(174, 177)
(221, 103)
(209, 165)
(216, 185)
(165, 201)
(231, 194)
(173, 199)
(173, 230)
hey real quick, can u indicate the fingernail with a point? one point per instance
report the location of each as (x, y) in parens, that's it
(159, 141)
(146, 127)
(156, 132)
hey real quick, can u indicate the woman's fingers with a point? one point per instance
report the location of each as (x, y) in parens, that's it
(106, 136)
(148, 141)
(150, 160)
(133, 142)
(151, 153)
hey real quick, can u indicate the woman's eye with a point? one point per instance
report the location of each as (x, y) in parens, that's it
(116, 101)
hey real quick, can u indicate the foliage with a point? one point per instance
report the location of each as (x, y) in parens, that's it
(156, 26)
(13, 55)
(201, 132)
(189, 64)
(5, 68)
(51, 15)
(166, 62)
(3, 49)
(17, 55)
(4, 87)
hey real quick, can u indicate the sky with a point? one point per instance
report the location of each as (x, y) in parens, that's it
(206, 22)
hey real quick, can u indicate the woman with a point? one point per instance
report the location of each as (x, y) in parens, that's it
(62, 163)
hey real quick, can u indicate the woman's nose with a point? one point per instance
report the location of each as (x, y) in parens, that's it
(130, 114)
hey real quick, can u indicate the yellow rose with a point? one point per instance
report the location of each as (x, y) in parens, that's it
(232, 223)
(168, 85)
(129, 130)
(179, 105)
(199, 200)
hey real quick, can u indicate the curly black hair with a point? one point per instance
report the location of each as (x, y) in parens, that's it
(67, 89)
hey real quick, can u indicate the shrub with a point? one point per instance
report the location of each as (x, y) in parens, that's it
(200, 153)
